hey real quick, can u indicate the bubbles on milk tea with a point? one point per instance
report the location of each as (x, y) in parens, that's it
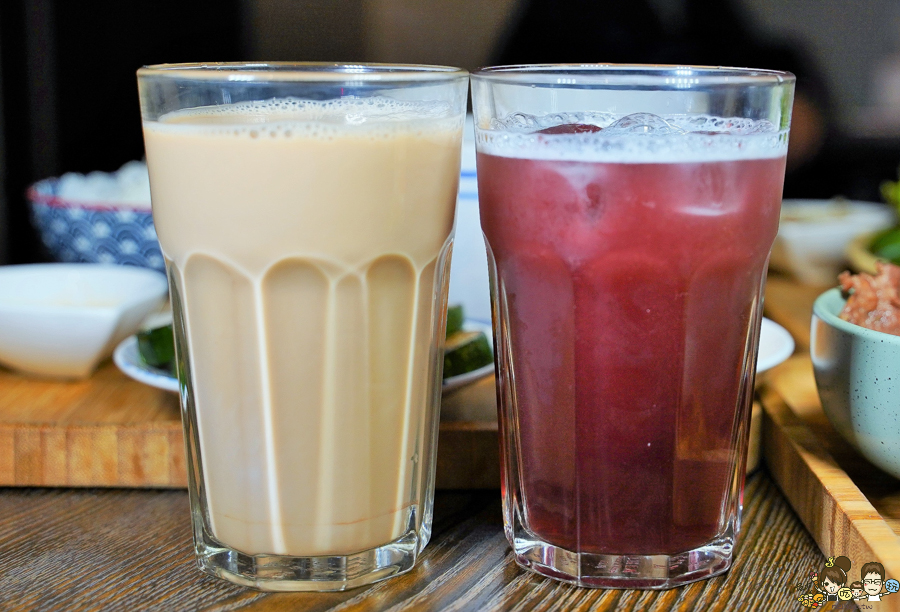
(375, 117)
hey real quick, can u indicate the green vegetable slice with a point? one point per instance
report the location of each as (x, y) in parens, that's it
(454, 320)
(886, 245)
(465, 352)
(157, 347)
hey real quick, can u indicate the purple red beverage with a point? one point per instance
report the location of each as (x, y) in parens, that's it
(627, 272)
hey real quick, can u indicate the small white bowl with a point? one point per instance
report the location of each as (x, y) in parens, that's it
(814, 234)
(61, 320)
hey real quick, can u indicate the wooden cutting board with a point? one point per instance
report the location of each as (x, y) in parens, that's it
(849, 506)
(110, 431)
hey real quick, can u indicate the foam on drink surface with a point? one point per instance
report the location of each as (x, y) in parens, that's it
(373, 117)
(636, 138)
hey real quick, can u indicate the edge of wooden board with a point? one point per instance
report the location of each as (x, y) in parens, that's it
(151, 455)
(837, 514)
(139, 455)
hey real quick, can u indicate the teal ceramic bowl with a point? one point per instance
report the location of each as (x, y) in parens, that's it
(858, 376)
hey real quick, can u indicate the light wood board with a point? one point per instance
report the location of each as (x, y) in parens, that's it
(110, 431)
(850, 507)
(790, 304)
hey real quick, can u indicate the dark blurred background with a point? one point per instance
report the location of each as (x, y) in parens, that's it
(68, 98)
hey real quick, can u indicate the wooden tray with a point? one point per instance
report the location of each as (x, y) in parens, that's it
(849, 506)
(110, 431)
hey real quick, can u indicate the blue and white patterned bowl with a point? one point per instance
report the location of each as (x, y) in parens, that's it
(93, 232)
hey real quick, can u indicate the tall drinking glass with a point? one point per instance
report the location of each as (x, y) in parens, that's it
(628, 213)
(306, 214)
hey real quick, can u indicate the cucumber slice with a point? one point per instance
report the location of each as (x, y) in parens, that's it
(465, 352)
(454, 320)
(157, 347)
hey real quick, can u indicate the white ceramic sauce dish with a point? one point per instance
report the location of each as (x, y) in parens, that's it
(62, 320)
(813, 235)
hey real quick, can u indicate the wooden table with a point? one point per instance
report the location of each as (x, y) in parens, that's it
(102, 549)
(110, 549)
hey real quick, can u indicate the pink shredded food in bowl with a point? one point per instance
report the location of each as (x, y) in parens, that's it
(875, 300)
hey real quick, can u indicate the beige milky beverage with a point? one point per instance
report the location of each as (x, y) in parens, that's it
(305, 240)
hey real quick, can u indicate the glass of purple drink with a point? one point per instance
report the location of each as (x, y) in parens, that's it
(628, 213)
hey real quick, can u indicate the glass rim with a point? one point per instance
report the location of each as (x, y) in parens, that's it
(263, 72)
(664, 76)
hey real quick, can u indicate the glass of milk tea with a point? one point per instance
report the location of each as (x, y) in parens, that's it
(306, 215)
(629, 212)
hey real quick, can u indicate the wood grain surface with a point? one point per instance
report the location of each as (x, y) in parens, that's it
(850, 507)
(107, 549)
(839, 510)
(795, 384)
(790, 304)
(111, 431)
(107, 430)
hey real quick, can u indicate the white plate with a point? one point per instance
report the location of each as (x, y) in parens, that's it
(775, 345)
(127, 358)
(455, 382)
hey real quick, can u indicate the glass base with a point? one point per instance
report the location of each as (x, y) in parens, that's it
(288, 573)
(624, 571)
